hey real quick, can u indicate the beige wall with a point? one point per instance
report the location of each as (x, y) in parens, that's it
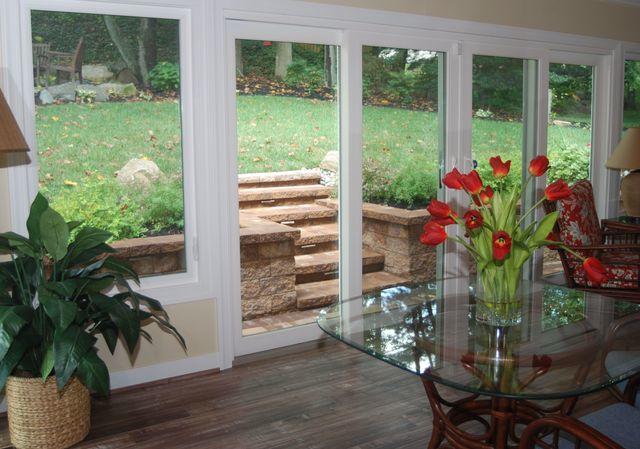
(586, 17)
(5, 220)
(196, 321)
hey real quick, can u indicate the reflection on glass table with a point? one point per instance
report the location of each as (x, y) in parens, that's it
(560, 350)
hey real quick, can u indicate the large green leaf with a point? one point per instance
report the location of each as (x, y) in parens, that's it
(39, 205)
(54, 233)
(88, 238)
(122, 316)
(20, 244)
(12, 320)
(22, 343)
(69, 347)
(544, 228)
(90, 254)
(94, 373)
(47, 363)
(122, 267)
(109, 332)
(62, 312)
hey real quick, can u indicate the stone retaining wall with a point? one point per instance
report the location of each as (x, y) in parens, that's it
(267, 264)
(153, 255)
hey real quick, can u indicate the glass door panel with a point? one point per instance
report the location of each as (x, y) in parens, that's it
(403, 146)
(288, 165)
(569, 132)
(504, 108)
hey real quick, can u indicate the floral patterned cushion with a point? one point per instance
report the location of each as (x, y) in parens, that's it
(577, 218)
(619, 276)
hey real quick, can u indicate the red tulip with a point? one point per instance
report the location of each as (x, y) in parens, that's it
(473, 219)
(486, 195)
(557, 190)
(472, 182)
(500, 169)
(439, 209)
(501, 245)
(539, 165)
(453, 179)
(434, 234)
(445, 221)
(595, 270)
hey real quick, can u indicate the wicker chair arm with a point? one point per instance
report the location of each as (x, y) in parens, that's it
(530, 438)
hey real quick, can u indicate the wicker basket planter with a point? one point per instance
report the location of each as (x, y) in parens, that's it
(40, 417)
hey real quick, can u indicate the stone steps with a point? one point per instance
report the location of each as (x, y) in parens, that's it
(295, 215)
(324, 265)
(317, 238)
(283, 178)
(252, 197)
(323, 293)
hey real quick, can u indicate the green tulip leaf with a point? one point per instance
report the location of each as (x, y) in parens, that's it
(544, 228)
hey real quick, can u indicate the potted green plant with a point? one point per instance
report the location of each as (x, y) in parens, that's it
(60, 288)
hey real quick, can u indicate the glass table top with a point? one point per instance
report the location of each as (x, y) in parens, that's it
(568, 343)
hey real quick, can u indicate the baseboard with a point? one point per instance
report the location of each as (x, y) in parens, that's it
(146, 375)
(159, 371)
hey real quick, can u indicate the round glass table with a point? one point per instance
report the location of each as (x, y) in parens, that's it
(568, 343)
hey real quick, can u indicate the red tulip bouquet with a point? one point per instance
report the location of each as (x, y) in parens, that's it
(495, 235)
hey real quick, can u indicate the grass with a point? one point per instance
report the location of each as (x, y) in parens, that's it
(81, 147)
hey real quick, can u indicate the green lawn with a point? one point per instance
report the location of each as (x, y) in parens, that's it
(80, 148)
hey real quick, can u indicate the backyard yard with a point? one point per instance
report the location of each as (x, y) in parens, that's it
(82, 146)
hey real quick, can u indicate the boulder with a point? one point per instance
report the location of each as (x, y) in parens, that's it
(65, 91)
(122, 90)
(126, 76)
(139, 172)
(96, 73)
(101, 92)
(45, 97)
(331, 161)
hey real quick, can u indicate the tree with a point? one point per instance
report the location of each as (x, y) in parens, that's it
(284, 57)
(143, 58)
(239, 62)
(330, 65)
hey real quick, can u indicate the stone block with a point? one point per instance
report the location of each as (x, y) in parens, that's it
(255, 307)
(277, 284)
(250, 289)
(285, 302)
(248, 253)
(273, 250)
(255, 270)
(170, 262)
(283, 266)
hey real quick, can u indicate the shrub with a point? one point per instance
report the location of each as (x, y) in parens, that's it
(409, 187)
(301, 73)
(165, 76)
(569, 162)
(401, 87)
(163, 209)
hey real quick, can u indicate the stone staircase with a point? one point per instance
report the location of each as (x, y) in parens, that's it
(291, 201)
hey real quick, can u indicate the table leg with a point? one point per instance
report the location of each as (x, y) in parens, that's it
(497, 418)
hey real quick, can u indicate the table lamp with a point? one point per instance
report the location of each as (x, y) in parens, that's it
(11, 138)
(627, 157)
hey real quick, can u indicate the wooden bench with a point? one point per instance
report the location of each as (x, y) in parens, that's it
(67, 62)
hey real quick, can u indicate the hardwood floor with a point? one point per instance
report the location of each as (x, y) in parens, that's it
(329, 396)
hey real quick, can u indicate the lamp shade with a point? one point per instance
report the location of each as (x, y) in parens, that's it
(11, 138)
(627, 154)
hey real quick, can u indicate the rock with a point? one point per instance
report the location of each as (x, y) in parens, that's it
(139, 172)
(331, 161)
(65, 91)
(96, 73)
(562, 123)
(100, 91)
(121, 90)
(45, 97)
(126, 76)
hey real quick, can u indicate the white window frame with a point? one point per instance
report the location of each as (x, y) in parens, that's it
(197, 281)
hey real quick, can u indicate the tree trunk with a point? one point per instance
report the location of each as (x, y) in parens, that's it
(147, 50)
(328, 73)
(127, 53)
(284, 57)
(239, 62)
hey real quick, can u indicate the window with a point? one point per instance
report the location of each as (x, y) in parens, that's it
(631, 116)
(109, 132)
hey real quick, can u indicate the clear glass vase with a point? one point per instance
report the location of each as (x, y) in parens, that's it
(498, 296)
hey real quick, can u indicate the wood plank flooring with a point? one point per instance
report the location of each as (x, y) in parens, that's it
(321, 396)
